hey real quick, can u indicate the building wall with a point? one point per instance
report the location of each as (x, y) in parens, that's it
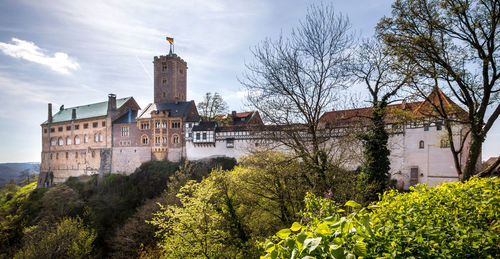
(127, 159)
(434, 162)
(76, 159)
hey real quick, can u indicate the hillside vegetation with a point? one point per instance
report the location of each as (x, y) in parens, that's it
(259, 207)
(452, 220)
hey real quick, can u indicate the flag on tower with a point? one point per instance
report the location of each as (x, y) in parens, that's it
(171, 40)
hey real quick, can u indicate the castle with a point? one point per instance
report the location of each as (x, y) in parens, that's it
(117, 136)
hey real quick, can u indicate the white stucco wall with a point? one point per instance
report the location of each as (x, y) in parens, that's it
(435, 164)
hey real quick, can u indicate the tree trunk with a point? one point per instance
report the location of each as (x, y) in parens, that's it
(476, 145)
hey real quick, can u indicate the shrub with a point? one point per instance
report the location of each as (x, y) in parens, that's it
(452, 220)
(69, 239)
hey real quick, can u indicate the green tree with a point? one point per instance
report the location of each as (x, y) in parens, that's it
(204, 225)
(383, 76)
(269, 191)
(454, 46)
(69, 239)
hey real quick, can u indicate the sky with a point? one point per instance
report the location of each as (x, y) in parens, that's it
(77, 52)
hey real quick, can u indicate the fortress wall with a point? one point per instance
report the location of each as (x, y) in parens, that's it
(126, 159)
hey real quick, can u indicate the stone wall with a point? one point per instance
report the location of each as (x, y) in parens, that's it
(127, 159)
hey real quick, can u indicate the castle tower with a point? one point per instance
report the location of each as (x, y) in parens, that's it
(170, 79)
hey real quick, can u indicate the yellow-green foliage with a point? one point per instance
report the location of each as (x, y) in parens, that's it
(70, 239)
(452, 220)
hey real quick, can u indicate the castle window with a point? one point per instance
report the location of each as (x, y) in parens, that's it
(77, 126)
(52, 130)
(176, 124)
(96, 138)
(68, 128)
(125, 131)
(53, 141)
(45, 131)
(95, 124)
(103, 124)
(85, 125)
(77, 140)
(445, 143)
(204, 136)
(60, 129)
(68, 141)
(144, 140)
(164, 80)
(164, 66)
(164, 140)
(100, 137)
(181, 71)
(85, 139)
(164, 124)
(175, 139)
(197, 136)
(60, 141)
(145, 125)
(157, 125)
(157, 140)
(164, 94)
(421, 144)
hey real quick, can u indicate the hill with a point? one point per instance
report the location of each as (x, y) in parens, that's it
(17, 171)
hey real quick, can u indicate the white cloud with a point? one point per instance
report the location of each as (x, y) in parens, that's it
(21, 49)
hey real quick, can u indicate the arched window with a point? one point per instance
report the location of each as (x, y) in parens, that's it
(53, 141)
(77, 140)
(68, 141)
(85, 139)
(144, 140)
(100, 137)
(421, 144)
(96, 138)
(60, 141)
(175, 139)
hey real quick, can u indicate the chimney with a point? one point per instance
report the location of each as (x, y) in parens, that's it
(73, 114)
(61, 108)
(111, 102)
(49, 119)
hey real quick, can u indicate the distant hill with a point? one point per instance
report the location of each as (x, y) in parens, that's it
(17, 171)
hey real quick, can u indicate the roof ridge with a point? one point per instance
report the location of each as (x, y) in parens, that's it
(86, 105)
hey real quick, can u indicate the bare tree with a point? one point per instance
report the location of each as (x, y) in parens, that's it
(454, 45)
(294, 80)
(212, 106)
(384, 77)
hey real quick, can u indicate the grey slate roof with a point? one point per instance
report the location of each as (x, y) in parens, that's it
(86, 111)
(179, 109)
(205, 126)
